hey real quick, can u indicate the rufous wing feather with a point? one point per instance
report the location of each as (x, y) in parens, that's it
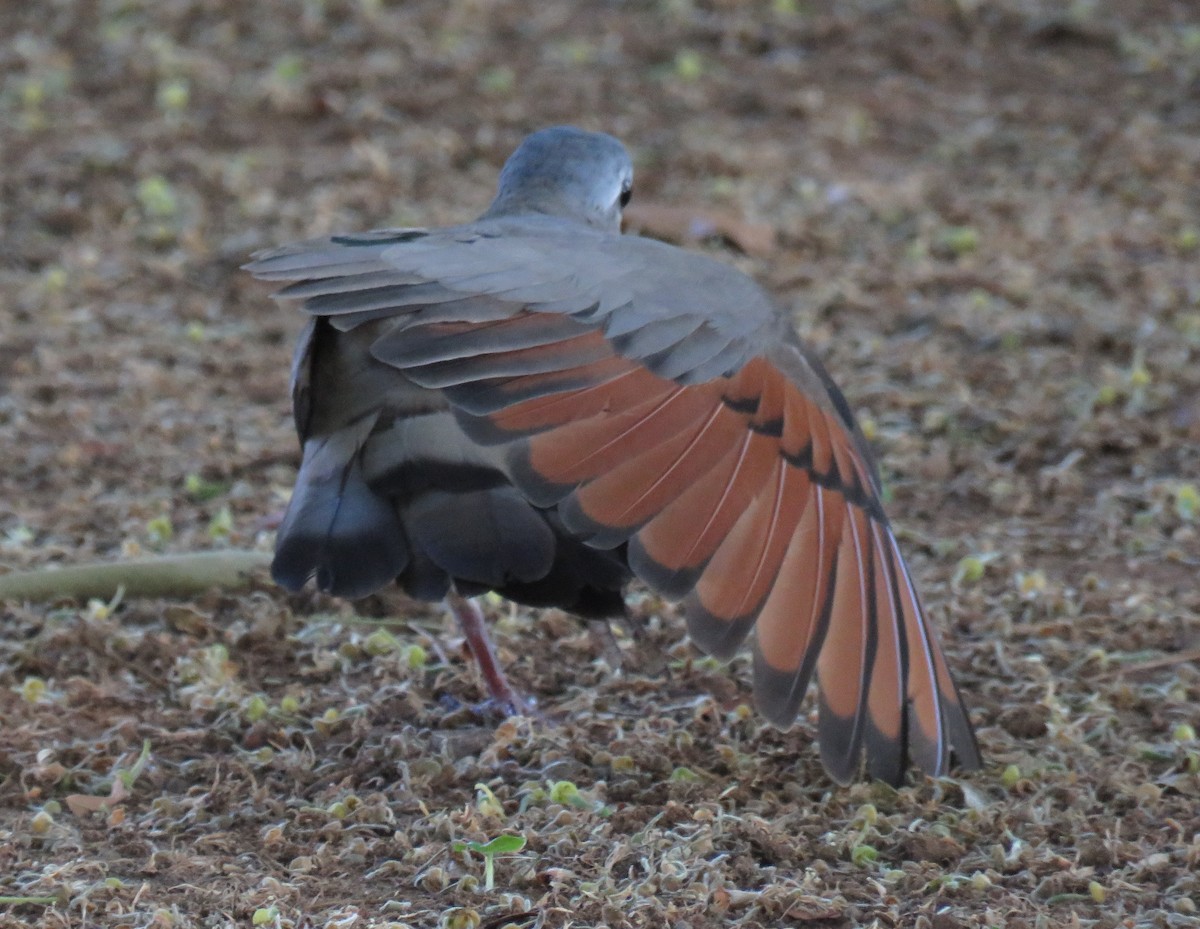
(751, 498)
(658, 400)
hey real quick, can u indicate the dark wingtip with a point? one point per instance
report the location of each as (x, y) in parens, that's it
(962, 734)
(715, 635)
(674, 584)
(887, 758)
(840, 739)
(778, 694)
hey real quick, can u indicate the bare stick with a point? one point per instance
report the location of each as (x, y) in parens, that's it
(165, 576)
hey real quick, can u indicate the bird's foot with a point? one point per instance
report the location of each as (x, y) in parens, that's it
(503, 697)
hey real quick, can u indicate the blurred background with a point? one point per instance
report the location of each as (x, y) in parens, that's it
(985, 216)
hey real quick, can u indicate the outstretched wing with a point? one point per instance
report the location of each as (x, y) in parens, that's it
(657, 397)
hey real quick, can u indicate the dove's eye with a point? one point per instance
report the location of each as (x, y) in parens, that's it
(626, 193)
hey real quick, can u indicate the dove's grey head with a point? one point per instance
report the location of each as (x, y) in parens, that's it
(564, 171)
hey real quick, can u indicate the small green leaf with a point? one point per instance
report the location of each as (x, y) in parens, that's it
(221, 525)
(265, 915)
(688, 64)
(156, 197)
(129, 778)
(288, 68)
(487, 803)
(33, 690)
(172, 95)
(959, 240)
(1187, 502)
(160, 530)
(503, 845)
(255, 708)
(201, 490)
(380, 642)
(566, 793)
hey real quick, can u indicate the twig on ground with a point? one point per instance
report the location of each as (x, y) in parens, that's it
(165, 576)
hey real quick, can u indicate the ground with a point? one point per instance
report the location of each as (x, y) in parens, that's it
(984, 215)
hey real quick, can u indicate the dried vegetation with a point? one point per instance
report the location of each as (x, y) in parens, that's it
(985, 216)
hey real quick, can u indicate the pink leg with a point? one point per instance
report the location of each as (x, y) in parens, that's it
(470, 620)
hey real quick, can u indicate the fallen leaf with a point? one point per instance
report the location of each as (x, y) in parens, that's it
(683, 224)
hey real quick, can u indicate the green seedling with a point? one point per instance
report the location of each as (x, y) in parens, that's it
(498, 81)
(200, 489)
(159, 530)
(122, 786)
(1187, 502)
(970, 570)
(265, 916)
(33, 690)
(172, 96)
(689, 65)
(568, 794)
(221, 525)
(501, 845)
(129, 778)
(958, 240)
(487, 803)
(157, 198)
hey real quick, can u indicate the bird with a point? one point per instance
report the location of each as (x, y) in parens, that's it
(537, 404)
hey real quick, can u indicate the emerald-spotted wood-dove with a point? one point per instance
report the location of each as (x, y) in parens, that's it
(536, 404)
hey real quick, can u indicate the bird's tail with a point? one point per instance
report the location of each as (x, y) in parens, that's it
(336, 527)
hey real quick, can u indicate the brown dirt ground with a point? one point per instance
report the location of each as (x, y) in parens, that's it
(988, 221)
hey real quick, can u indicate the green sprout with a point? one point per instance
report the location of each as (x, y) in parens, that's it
(958, 240)
(221, 525)
(498, 81)
(487, 803)
(566, 793)
(1187, 502)
(129, 778)
(501, 845)
(689, 65)
(255, 708)
(200, 489)
(970, 570)
(160, 530)
(265, 916)
(172, 96)
(157, 198)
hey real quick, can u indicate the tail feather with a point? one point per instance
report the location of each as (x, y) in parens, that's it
(336, 528)
(489, 537)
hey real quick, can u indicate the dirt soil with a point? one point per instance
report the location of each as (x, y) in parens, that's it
(985, 215)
